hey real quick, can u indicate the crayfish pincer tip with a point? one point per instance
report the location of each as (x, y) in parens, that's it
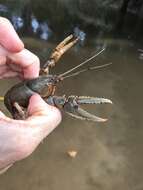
(101, 120)
(110, 102)
(106, 101)
(104, 120)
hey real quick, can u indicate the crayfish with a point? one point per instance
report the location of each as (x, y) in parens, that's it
(17, 98)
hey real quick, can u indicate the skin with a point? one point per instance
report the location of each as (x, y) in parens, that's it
(19, 138)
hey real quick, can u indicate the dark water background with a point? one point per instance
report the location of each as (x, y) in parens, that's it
(110, 155)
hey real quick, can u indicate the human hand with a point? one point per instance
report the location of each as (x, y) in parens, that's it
(15, 60)
(19, 138)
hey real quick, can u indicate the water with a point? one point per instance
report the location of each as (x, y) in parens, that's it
(109, 154)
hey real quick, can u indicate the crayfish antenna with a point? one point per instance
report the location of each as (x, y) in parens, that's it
(81, 64)
(86, 69)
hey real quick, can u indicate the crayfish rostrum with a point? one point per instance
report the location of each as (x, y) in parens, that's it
(17, 98)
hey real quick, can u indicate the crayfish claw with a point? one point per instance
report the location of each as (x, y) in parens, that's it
(92, 100)
(72, 107)
(64, 42)
(84, 115)
(60, 49)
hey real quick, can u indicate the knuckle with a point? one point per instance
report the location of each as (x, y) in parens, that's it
(31, 58)
(34, 59)
(35, 62)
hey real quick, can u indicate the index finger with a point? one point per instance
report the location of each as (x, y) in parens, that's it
(28, 62)
(8, 36)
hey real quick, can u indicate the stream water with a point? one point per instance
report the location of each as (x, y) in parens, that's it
(109, 155)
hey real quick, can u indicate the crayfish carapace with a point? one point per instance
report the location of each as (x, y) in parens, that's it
(17, 98)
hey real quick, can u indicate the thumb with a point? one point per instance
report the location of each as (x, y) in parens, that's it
(43, 115)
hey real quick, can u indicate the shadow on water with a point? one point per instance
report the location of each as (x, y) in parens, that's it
(109, 154)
